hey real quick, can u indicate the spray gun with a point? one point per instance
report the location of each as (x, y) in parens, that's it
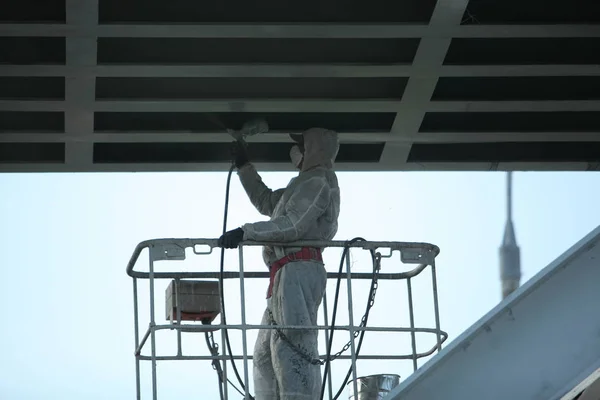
(250, 128)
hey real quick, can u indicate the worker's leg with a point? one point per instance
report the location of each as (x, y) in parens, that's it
(265, 384)
(297, 295)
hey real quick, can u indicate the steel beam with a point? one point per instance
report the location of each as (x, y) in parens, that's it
(282, 137)
(276, 167)
(317, 31)
(538, 343)
(430, 56)
(79, 90)
(291, 105)
(299, 71)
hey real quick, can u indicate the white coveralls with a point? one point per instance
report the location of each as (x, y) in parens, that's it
(307, 209)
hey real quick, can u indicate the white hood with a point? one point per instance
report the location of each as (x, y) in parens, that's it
(321, 147)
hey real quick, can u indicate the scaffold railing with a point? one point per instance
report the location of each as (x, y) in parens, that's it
(422, 255)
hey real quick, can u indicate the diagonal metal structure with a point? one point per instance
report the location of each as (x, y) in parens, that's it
(106, 85)
(540, 342)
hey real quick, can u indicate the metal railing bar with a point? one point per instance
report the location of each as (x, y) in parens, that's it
(212, 243)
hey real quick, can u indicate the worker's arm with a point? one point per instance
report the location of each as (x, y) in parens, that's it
(263, 198)
(308, 202)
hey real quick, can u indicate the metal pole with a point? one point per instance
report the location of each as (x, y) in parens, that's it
(436, 306)
(224, 347)
(243, 311)
(326, 331)
(351, 324)
(412, 324)
(509, 195)
(137, 339)
(202, 328)
(510, 258)
(179, 351)
(152, 324)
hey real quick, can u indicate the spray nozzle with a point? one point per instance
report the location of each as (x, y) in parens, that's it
(250, 128)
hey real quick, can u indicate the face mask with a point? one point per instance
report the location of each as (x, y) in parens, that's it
(296, 156)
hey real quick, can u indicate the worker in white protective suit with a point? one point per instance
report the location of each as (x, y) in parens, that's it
(307, 209)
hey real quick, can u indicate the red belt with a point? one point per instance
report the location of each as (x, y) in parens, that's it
(306, 254)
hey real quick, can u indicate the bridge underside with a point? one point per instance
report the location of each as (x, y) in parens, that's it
(150, 85)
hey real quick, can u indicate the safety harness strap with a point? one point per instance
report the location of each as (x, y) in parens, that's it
(306, 254)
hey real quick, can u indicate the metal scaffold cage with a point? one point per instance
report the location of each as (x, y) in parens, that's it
(193, 297)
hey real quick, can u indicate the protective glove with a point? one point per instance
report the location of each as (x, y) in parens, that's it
(240, 154)
(231, 239)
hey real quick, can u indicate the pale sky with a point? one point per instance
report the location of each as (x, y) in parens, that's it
(67, 303)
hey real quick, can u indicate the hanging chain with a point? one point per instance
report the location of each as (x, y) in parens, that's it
(307, 357)
(214, 349)
(363, 323)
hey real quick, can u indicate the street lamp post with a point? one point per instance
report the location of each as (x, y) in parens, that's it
(510, 257)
